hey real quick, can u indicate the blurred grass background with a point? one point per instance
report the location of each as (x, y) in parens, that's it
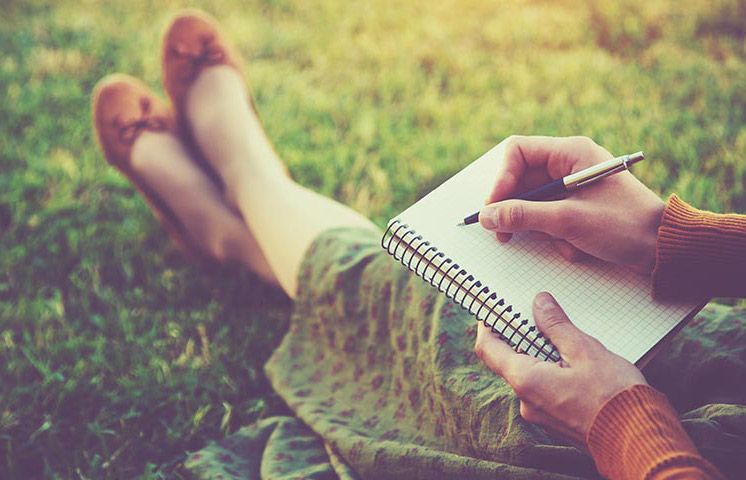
(117, 356)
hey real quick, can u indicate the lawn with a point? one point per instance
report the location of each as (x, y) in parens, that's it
(118, 355)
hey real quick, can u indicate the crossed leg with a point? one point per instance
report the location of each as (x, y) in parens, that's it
(283, 217)
(264, 221)
(215, 229)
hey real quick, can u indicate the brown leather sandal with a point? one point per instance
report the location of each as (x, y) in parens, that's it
(123, 107)
(193, 41)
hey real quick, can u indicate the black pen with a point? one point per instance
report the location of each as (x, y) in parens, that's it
(563, 186)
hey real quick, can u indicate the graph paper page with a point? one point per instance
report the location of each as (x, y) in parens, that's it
(608, 302)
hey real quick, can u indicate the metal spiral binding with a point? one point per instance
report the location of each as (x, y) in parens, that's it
(436, 268)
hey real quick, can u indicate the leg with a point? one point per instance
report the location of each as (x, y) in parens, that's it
(213, 227)
(138, 134)
(702, 363)
(375, 361)
(284, 216)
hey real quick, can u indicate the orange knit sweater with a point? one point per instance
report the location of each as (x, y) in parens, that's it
(637, 434)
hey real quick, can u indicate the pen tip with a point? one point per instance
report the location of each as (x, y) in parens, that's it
(460, 224)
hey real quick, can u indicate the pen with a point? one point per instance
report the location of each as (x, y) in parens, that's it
(572, 182)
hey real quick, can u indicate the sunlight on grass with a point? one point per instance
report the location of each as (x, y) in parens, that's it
(120, 356)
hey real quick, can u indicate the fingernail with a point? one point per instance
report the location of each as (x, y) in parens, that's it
(488, 217)
(545, 302)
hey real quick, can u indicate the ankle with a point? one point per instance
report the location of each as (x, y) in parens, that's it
(150, 145)
(215, 91)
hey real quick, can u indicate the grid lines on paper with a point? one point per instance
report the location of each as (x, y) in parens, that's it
(608, 302)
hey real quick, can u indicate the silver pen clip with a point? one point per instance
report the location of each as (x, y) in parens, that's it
(618, 169)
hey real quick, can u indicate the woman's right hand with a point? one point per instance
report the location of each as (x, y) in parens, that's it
(615, 219)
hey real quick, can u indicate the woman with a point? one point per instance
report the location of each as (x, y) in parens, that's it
(379, 368)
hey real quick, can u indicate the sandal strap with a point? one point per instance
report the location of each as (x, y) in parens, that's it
(131, 129)
(211, 53)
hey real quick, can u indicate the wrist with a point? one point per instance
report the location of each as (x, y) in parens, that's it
(651, 224)
(699, 254)
(640, 426)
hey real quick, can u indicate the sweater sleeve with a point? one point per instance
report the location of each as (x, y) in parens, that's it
(637, 435)
(699, 254)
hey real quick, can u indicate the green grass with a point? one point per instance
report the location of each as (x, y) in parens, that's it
(118, 356)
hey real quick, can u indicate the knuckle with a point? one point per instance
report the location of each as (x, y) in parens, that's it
(519, 388)
(523, 386)
(512, 142)
(220, 248)
(552, 322)
(516, 215)
(480, 350)
(584, 142)
(479, 347)
(527, 413)
(589, 146)
(511, 217)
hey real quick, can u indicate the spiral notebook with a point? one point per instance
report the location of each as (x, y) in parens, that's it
(497, 282)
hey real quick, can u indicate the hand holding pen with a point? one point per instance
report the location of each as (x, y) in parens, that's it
(561, 187)
(616, 219)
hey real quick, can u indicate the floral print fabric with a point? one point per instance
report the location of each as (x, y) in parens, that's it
(379, 369)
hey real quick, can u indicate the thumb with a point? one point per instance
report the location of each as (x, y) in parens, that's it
(511, 216)
(554, 324)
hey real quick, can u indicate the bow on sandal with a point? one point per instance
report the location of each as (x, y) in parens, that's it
(208, 53)
(192, 42)
(129, 130)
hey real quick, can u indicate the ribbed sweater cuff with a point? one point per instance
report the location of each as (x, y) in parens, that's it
(699, 254)
(636, 434)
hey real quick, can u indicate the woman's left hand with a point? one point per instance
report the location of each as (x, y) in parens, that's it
(565, 396)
